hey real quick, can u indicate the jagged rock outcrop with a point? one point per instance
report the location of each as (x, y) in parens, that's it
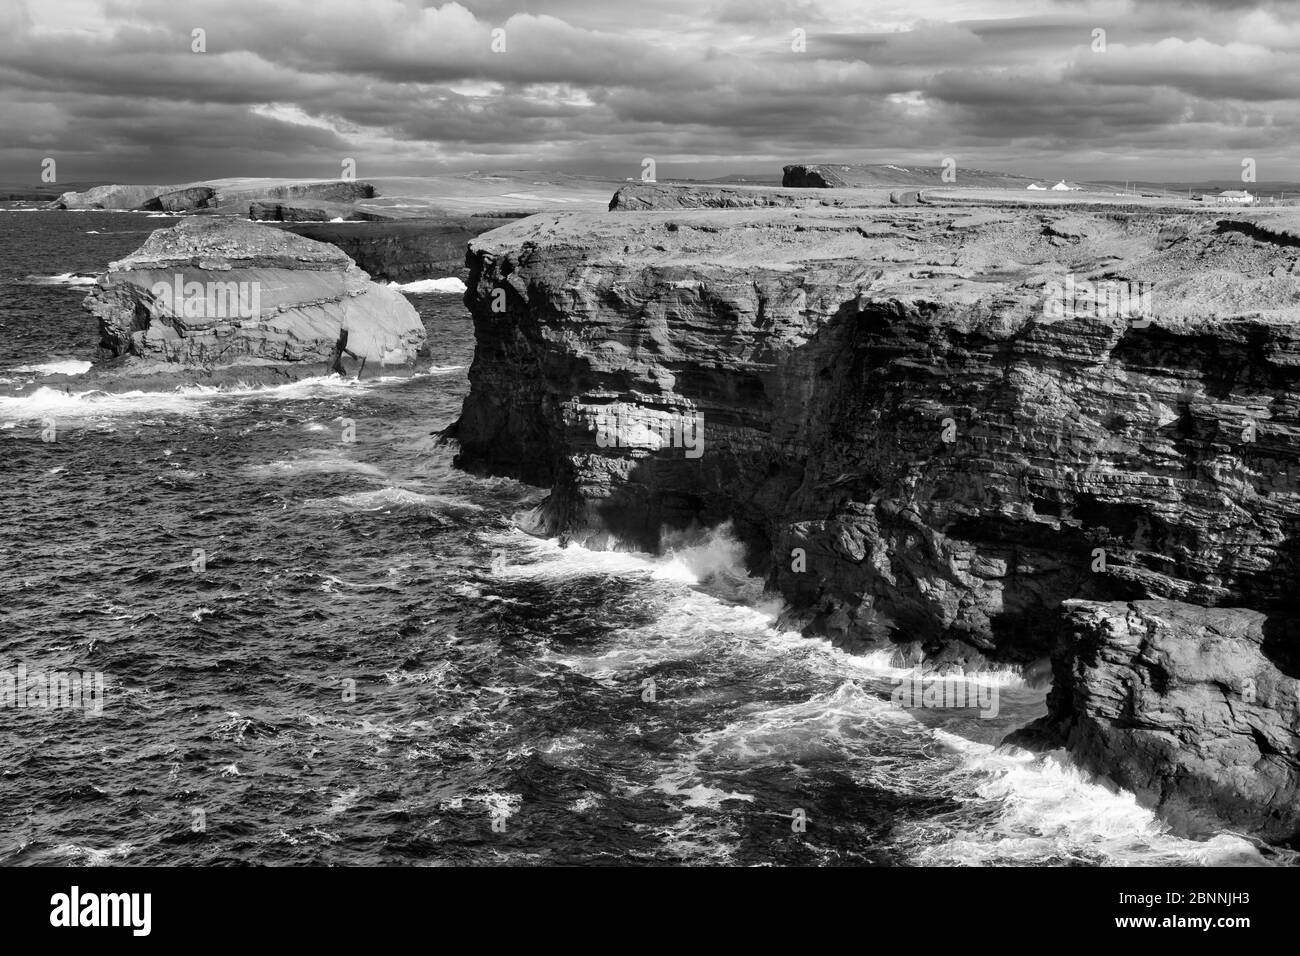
(1197, 710)
(913, 445)
(226, 292)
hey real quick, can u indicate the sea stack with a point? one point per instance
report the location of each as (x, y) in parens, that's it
(218, 293)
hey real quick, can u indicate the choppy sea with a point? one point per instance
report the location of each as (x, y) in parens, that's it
(321, 651)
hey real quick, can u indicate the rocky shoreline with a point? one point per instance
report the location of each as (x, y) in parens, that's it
(873, 388)
(918, 452)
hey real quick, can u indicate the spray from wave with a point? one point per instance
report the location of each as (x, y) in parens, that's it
(1009, 806)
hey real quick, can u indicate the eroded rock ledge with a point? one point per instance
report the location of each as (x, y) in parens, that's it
(912, 450)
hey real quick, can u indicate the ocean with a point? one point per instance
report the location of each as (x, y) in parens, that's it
(324, 651)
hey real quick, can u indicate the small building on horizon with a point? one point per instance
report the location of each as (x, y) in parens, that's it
(1238, 196)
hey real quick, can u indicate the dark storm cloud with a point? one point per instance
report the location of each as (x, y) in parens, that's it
(114, 91)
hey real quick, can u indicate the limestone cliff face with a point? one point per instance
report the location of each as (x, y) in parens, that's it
(229, 292)
(915, 449)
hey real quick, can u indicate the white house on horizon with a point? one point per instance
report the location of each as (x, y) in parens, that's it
(1238, 196)
(1061, 187)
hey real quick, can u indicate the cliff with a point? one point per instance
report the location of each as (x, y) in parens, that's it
(918, 444)
(642, 197)
(1195, 709)
(403, 251)
(109, 197)
(845, 176)
(228, 196)
(276, 211)
(229, 293)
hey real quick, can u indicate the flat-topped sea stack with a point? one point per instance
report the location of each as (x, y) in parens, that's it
(232, 299)
(934, 426)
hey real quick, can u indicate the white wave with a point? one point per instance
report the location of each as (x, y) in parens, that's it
(449, 284)
(77, 854)
(1050, 808)
(1021, 807)
(60, 367)
(394, 497)
(697, 794)
(64, 278)
(93, 404)
(842, 723)
(323, 464)
(1012, 806)
(500, 805)
(708, 602)
(344, 801)
(890, 663)
(183, 400)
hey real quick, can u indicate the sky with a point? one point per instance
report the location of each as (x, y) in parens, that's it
(116, 89)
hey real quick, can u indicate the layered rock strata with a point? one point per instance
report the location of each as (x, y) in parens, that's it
(226, 292)
(1195, 709)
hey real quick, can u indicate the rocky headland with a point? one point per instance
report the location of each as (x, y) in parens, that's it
(921, 448)
(852, 176)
